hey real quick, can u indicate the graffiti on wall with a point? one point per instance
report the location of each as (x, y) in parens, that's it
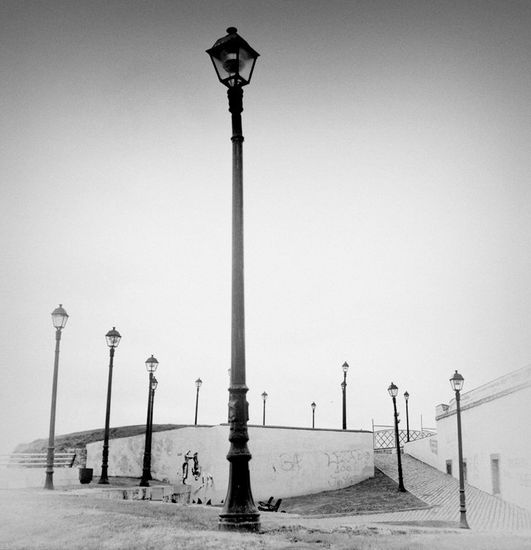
(195, 470)
(341, 467)
(345, 466)
(201, 482)
(290, 462)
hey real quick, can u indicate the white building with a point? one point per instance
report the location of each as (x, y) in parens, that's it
(496, 438)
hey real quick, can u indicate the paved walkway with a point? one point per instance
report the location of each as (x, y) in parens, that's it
(441, 492)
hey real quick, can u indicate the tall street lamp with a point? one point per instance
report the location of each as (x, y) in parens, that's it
(406, 397)
(344, 388)
(151, 367)
(59, 319)
(154, 384)
(457, 382)
(393, 391)
(313, 405)
(198, 383)
(113, 338)
(264, 399)
(234, 61)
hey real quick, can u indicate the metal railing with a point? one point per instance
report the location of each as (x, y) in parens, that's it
(36, 460)
(385, 439)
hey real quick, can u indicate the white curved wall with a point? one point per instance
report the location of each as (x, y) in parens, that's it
(285, 461)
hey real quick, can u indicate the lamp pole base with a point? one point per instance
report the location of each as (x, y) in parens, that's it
(239, 522)
(463, 523)
(48, 483)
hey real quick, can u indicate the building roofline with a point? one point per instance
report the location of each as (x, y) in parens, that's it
(499, 387)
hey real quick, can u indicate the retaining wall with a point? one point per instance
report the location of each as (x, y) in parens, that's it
(285, 461)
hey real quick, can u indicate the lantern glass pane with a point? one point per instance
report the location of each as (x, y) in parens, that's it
(152, 364)
(457, 382)
(113, 338)
(59, 317)
(233, 60)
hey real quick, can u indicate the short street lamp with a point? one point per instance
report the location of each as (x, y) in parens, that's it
(234, 61)
(198, 383)
(59, 319)
(151, 367)
(113, 338)
(344, 388)
(393, 391)
(457, 382)
(264, 399)
(313, 405)
(406, 397)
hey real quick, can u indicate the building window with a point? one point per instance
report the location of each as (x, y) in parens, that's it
(449, 467)
(495, 473)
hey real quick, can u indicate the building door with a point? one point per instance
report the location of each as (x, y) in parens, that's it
(495, 473)
(449, 467)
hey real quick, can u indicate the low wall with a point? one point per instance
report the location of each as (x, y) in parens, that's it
(285, 461)
(425, 450)
(24, 478)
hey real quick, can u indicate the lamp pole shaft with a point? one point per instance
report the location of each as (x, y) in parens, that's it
(105, 454)
(48, 484)
(462, 508)
(196, 405)
(239, 511)
(263, 414)
(344, 388)
(144, 482)
(398, 455)
(407, 420)
(152, 408)
(313, 419)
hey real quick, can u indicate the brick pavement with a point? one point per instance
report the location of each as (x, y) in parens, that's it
(441, 492)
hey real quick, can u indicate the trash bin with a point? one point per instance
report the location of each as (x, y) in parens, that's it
(85, 475)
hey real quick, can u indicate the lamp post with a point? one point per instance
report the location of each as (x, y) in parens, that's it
(344, 388)
(234, 61)
(113, 338)
(264, 399)
(198, 383)
(154, 384)
(393, 391)
(59, 319)
(457, 382)
(313, 405)
(406, 397)
(151, 367)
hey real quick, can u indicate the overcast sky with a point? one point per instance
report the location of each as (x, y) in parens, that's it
(387, 206)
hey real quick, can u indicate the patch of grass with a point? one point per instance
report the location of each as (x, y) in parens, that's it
(377, 494)
(50, 520)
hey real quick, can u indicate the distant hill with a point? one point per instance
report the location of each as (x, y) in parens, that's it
(80, 439)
